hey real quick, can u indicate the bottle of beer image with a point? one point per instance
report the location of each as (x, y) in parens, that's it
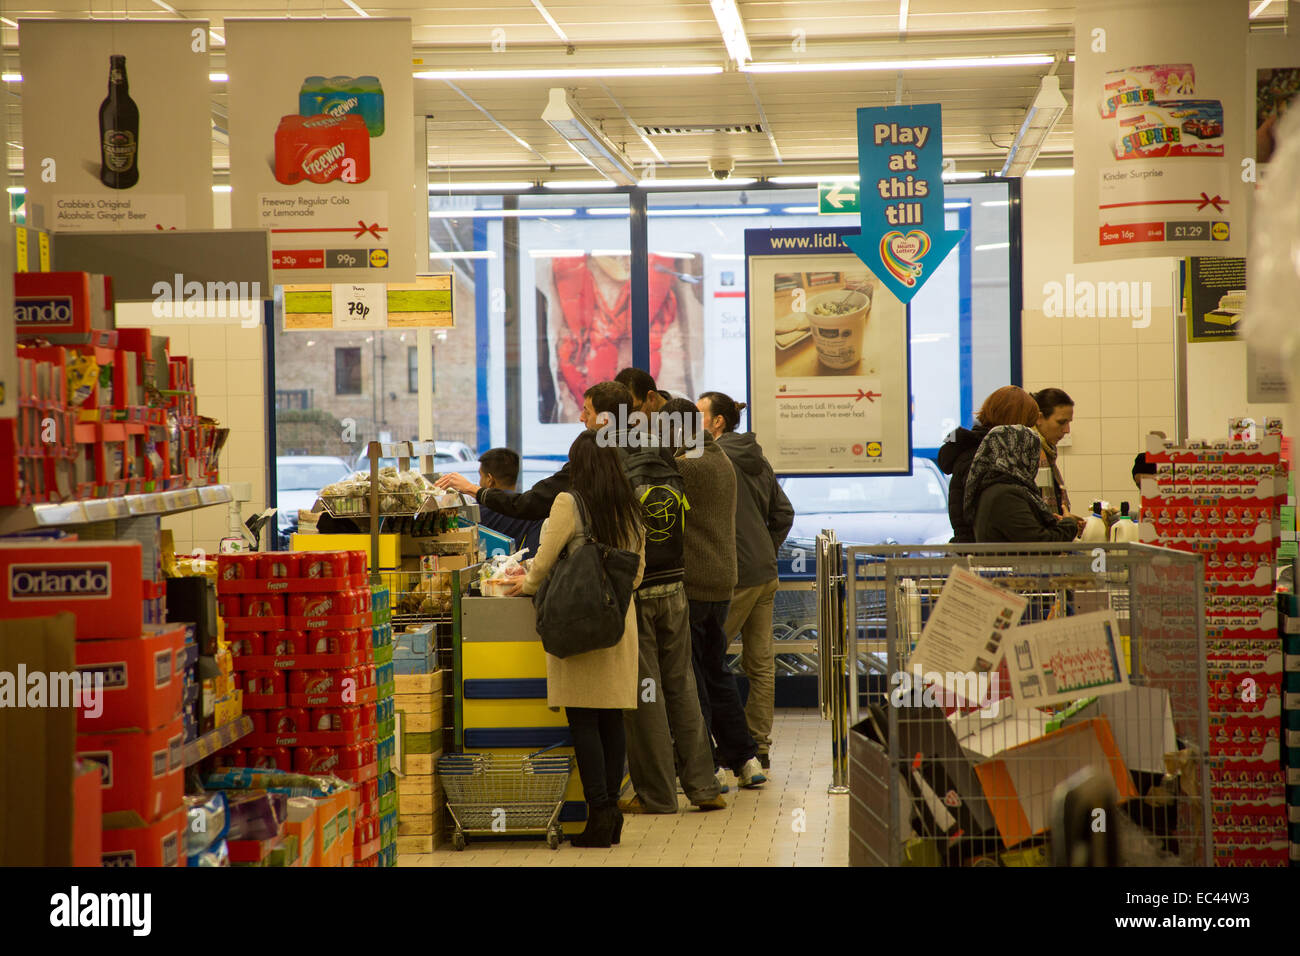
(119, 130)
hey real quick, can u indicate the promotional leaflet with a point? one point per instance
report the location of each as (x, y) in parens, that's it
(117, 129)
(1214, 298)
(1066, 658)
(967, 627)
(1159, 129)
(830, 373)
(321, 140)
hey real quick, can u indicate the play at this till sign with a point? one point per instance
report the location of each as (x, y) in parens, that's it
(836, 198)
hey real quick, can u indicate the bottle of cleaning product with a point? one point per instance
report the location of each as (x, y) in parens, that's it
(1094, 529)
(1125, 527)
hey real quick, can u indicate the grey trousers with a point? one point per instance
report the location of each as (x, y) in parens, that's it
(665, 734)
(751, 617)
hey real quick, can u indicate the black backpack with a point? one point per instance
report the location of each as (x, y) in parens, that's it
(582, 604)
(661, 492)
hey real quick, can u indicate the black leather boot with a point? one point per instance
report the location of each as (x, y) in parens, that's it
(599, 830)
(618, 825)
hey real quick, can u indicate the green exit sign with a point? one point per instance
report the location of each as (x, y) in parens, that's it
(837, 198)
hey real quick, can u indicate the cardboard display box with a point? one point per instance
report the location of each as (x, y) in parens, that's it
(143, 772)
(160, 843)
(141, 686)
(38, 811)
(98, 581)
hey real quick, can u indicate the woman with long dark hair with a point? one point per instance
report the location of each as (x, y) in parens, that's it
(596, 687)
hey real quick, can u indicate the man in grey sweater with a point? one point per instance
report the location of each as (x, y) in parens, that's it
(764, 517)
(710, 558)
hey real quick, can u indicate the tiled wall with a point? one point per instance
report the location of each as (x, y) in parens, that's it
(1120, 377)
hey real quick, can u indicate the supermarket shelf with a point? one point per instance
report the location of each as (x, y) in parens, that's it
(218, 739)
(33, 517)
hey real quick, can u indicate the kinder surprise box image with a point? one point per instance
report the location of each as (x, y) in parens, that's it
(1143, 84)
(1169, 128)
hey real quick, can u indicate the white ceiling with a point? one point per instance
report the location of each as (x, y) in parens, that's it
(810, 116)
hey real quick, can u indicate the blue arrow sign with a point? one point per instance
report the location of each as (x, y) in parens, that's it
(900, 165)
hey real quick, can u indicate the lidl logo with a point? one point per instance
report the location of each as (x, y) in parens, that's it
(1219, 231)
(873, 449)
(378, 258)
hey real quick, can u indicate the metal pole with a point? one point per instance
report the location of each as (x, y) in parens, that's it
(834, 668)
(851, 613)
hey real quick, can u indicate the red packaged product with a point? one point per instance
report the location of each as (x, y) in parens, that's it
(332, 642)
(369, 791)
(357, 756)
(230, 605)
(312, 605)
(232, 757)
(313, 682)
(322, 149)
(236, 567)
(263, 605)
(258, 717)
(287, 643)
(247, 644)
(316, 760)
(278, 564)
(260, 683)
(356, 562)
(369, 716)
(270, 758)
(335, 719)
(290, 720)
(323, 564)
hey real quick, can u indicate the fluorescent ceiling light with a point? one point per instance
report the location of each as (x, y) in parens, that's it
(669, 183)
(550, 20)
(459, 76)
(733, 30)
(810, 180)
(674, 255)
(578, 184)
(500, 213)
(11, 77)
(607, 211)
(928, 338)
(961, 175)
(1050, 172)
(801, 210)
(996, 202)
(555, 253)
(166, 6)
(902, 16)
(993, 245)
(894, 66)
(356, 9)
(724, 211)
(19, 190)
(956, 204)
(221, 188)
(1040, 120)
(481, 187)
(474, 254)
(1264, 5)
(9, 23)
(219, 77)
(586, 139)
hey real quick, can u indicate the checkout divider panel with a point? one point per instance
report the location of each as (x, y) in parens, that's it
(502, 690)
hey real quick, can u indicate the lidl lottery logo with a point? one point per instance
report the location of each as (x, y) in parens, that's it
(1219, 231)
(873, 449)
(902, 254)
(378, 258)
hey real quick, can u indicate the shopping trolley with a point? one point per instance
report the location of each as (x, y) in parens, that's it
(496, 794)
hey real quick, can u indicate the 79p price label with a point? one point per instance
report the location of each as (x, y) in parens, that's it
(359, 305)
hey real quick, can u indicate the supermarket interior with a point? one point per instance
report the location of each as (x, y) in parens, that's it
(602, 571)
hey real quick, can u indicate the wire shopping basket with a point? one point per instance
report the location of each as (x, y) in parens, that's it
(496, 794)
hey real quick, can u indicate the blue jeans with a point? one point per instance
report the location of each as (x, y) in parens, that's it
(724, 715)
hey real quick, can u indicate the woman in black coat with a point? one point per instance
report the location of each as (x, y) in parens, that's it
(1002, 495)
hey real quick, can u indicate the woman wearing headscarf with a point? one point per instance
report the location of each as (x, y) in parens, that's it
(1002, 495)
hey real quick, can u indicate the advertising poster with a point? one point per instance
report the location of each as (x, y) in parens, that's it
(1159, 129)
(1275, 89)
(117, 128)
(829, 368)
(1214, 297)
(321, 146)
(1066, 658)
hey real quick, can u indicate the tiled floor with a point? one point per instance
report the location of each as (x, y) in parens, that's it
(790, 821)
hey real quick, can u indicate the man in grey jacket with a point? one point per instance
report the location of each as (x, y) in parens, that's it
(764, 517)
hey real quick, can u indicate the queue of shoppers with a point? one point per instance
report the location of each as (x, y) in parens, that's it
(711, 517)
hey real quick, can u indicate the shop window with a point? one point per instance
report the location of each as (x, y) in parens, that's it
(347, 371)
(412, 368)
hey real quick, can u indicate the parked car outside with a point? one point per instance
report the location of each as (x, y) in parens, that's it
(298, 481)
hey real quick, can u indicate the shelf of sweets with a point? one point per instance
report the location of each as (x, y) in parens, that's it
(16, 519)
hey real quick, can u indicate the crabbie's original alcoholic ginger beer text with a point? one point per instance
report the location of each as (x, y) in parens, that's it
(119, 130)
